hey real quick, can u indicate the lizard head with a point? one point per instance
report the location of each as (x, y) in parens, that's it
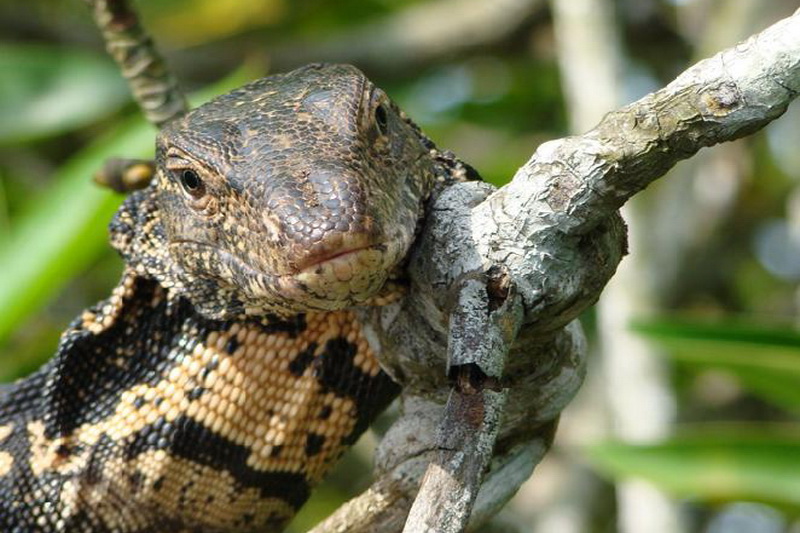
(297, 192)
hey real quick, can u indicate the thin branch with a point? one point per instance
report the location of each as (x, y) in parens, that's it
(384, 506)
(483, 325)
(152, 84)
(728, 96)
(571, 186)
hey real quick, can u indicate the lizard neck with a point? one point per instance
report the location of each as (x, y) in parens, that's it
(210, 423)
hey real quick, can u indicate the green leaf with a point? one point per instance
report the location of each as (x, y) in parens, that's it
(765, 360)
(64, 229)
(750, 462)
(46, 90)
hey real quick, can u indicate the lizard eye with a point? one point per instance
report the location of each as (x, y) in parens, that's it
(382, 118)
(192, 183)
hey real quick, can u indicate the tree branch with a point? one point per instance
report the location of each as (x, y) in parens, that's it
(555, 231)
(571, 185)
(728, 96)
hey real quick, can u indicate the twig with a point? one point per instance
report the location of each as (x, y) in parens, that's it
(384, 506)
(483, 325)
(153, 86)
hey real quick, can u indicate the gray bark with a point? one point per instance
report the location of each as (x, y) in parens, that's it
(554, 233)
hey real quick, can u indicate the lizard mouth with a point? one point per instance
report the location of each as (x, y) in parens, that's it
(339, 257)
(348, 266)
(331, 280)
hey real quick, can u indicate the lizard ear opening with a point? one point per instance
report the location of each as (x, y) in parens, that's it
(382, 118)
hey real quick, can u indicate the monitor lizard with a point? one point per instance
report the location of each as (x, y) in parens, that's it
(227, 371)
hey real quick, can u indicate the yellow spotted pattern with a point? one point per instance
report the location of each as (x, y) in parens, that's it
(252, 397)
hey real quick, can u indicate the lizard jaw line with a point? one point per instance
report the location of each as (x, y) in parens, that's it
(345, 279)
(337, 257)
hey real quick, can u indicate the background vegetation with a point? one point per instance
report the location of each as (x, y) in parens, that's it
(715, 307)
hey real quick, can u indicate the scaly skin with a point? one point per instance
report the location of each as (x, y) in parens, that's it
(225, 374)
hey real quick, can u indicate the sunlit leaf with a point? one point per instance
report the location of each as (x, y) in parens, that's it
(765, 360)
(195, 22)
(751, 462)
(65, 228)
(46, 90)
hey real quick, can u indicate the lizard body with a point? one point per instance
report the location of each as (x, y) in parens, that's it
(225, 373)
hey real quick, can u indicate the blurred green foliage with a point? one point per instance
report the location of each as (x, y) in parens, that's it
(63, 231)
(714, 462)
(54, 90)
